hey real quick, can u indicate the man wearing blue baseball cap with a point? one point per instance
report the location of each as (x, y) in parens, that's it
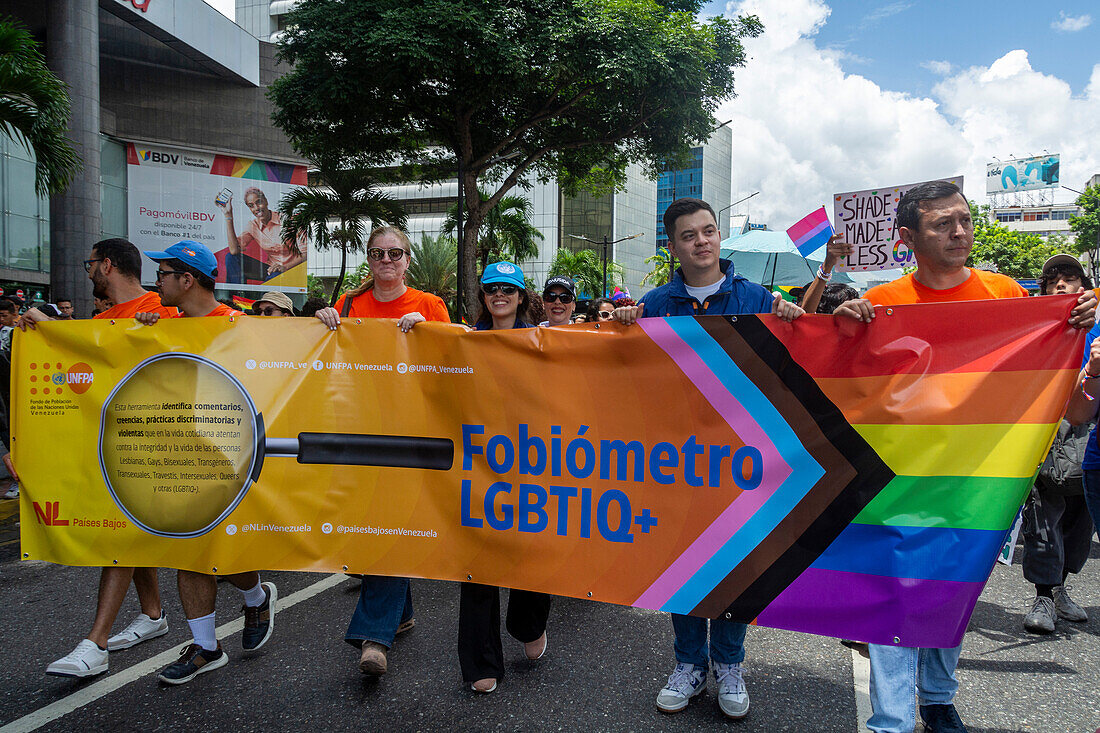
(185, 275)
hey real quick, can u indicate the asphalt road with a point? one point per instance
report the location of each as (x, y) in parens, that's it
(602, 672)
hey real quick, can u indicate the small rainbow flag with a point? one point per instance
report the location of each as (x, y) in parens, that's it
(811, 232)
(243, 303)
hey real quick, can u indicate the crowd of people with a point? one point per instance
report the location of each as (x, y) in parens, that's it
(934, 222)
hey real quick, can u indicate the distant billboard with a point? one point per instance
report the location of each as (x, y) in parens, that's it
(1022, 174)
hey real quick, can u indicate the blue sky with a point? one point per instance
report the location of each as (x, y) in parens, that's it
(887, 41)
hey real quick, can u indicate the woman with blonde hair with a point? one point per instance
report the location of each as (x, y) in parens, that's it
(385, 604)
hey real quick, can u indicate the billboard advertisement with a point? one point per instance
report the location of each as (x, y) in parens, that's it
(225, 202)
(1022, 174)
(869, 222)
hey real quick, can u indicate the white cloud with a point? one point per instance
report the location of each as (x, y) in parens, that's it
(804, 129)
(939, 68)
(1070, 23)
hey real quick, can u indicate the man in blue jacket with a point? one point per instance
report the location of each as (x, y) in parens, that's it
(704, 285)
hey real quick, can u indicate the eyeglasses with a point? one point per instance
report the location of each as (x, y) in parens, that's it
(555, 297)
(377, 253)
(162, 273)
(605, 315)
(88, 263)
(494, 288)
(268, 311)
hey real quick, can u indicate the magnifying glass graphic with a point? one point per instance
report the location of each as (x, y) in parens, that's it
(181, 442)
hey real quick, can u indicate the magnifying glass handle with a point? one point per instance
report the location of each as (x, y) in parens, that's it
(351, 449)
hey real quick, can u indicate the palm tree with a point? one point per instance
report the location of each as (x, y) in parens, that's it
(434, 268)
(506, 233)
(662, 268)
(34, 109)
(585, 268)
(349, 196)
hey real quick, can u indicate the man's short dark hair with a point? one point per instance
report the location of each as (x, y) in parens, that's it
(205, 281)
(122, 253)
(910, 205)
(834, 295)
(64, 300)
(1052, 273)
(8, 306)
(684, 207)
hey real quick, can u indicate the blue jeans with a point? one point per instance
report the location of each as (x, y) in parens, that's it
(1092, 497)
(727, 640)
(896, 671)
(384, 604)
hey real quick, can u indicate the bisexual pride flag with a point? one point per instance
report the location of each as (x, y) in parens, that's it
(811, 232)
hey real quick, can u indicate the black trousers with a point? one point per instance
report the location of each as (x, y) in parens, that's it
(479, 651)
(1057, 536)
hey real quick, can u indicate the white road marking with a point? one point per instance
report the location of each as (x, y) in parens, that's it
(861, 685)
(111, 682)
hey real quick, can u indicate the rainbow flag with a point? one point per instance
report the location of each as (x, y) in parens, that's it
(962, 417)
(811, 232)
(243, 303)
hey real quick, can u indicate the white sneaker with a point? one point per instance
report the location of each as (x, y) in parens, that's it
(140, 629)
(87, 660)
(685, 682)
(733, 697)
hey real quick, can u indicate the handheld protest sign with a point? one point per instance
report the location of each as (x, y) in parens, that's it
(181, 442)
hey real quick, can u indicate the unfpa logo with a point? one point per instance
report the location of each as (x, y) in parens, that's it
(49, 514)
(52, 378)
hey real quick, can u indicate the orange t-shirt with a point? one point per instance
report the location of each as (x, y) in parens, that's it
(148, 303)
(981, 285)
(221, 310)
(367, 306)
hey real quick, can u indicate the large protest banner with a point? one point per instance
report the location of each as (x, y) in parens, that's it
(869, 221)
(825, 476)
(176, 194)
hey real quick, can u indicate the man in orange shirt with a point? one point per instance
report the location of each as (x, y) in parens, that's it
(934, 221)
(115, 271)
(185, 274)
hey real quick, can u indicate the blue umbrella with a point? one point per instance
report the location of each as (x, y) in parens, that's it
(771, 259)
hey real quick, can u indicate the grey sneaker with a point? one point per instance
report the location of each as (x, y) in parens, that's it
(733, 698)
(1065, 607)
(1041, 618)
(685, 682)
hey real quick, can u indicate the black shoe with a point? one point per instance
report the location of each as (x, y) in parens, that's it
(259, 622)
(941, 719)
(193, 661)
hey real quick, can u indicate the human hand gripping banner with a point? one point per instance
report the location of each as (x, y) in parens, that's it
(826, 476)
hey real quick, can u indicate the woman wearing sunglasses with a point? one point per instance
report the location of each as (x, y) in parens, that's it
(384, 294)
(559, 298)
(600, 310)
(503, 306)
(385, 604)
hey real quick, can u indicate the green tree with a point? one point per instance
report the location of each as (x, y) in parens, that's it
(506, 232)
(350, 197)
(1087, 224)
(504, 91)
(1016, 254)
(662, 268)
(315, 287)
(34, 109)
(434, 267)
(586, 269)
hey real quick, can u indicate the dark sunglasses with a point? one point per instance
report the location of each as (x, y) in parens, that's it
(377, 253)
(604, 315)
(494, 288)
(268, 311)
(162, 273)
(88, 263)
(555, 297)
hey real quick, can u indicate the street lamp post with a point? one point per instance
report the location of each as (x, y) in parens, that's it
(605, 244)
(739, 201)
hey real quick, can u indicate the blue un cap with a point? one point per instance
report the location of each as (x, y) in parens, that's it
(190, 253)
(503, 272)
